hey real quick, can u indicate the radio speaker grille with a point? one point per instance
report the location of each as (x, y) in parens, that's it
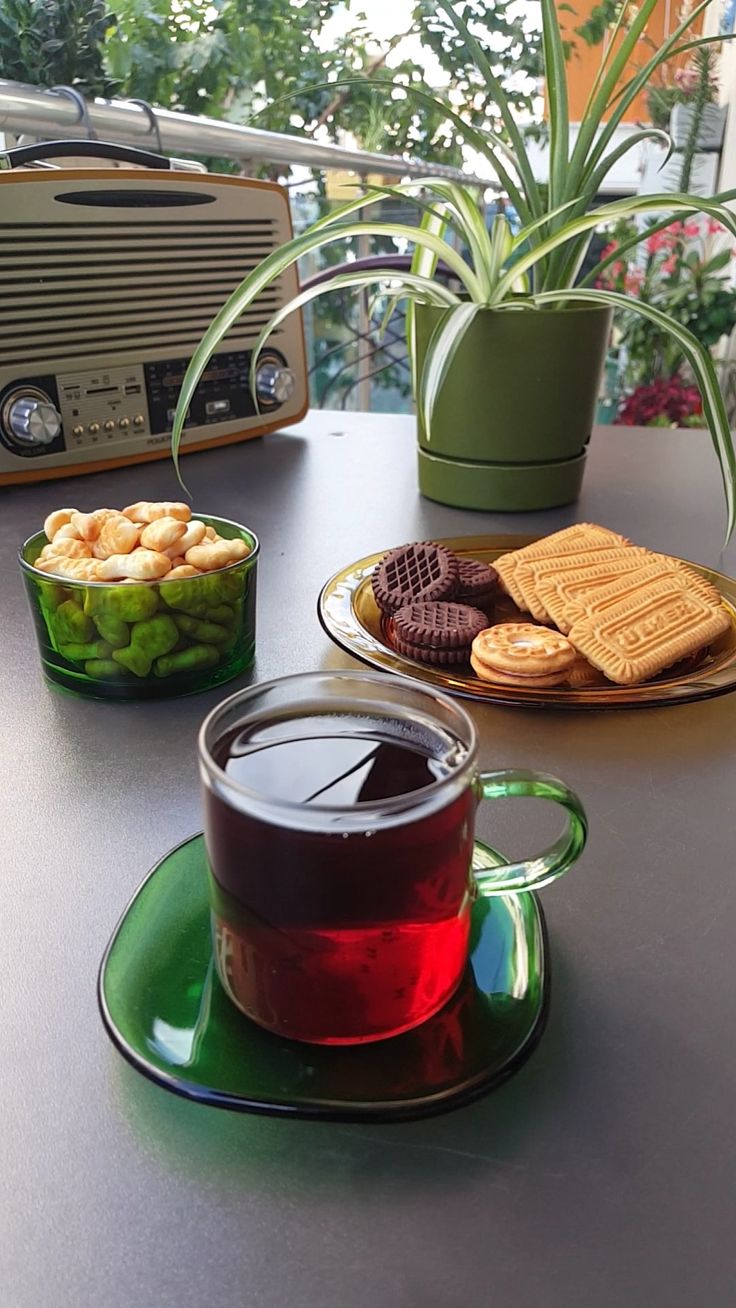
(115, 287)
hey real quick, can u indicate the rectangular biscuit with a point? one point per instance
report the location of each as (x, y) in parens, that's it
(657, 565)
(568, 593)
(559, 543)
(583, 676)
(530, 571)
(642, 633)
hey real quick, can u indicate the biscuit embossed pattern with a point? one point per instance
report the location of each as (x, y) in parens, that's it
(348, 611)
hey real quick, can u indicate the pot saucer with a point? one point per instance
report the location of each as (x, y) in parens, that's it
(166, 1012)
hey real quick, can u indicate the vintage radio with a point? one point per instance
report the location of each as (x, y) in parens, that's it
(109, 279)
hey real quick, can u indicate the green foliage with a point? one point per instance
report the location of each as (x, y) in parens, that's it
(679, 270)
(704, 90)
(222, 57)
(235, 58)
(600, 21)
(56, 42)
(537, 268)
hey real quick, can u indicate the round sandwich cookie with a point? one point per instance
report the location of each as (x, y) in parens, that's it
(521, 654)
(440, 633)
(477, 583)
(422, 572)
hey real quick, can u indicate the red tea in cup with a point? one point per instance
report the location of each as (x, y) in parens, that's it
(339, 814)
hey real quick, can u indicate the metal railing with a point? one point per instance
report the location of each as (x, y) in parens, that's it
(28, 110)
(351, 362)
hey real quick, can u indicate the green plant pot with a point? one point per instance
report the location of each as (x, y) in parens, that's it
(512, 422)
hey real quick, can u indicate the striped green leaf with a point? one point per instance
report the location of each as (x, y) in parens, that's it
(495, 87)
(623, 248)
(402, 285)
(714, 408)
(423, 264)
(559, 120)
(444, 343)
(486, 142)
(277, 263)
(614, 111)
(685, 205)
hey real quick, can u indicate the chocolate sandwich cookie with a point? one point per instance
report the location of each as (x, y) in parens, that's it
(477, 583)
(423, 572)
(439, 633)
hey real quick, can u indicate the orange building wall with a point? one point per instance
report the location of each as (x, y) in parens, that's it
(585, 60)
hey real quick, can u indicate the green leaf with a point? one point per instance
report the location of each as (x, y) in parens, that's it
(484, 141)
(674, 53)
(719, 261)
(602, 91)
(685, 205)
(498, 93)
(275, 265)
(423, 264)
(502, 244)
(701, 363)
(371, 195)
(624, 247)
(559, 123)
(597, 177)
(403, 285)
(637, 84)
(473, 226)
(443, 346)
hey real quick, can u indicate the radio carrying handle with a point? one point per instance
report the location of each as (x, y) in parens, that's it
(27, 154)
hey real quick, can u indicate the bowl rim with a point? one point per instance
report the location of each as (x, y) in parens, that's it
(212, 518)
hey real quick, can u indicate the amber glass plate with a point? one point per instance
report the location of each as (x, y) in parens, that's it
(350, 615)
(167, 1013)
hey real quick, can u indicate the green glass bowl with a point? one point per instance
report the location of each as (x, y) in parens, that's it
(149, 639)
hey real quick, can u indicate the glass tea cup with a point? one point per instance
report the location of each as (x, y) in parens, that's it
(339, 819)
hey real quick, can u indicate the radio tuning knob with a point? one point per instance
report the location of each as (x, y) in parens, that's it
(274, 383)
(30, 419)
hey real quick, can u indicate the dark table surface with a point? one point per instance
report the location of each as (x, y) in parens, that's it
(600, 1175)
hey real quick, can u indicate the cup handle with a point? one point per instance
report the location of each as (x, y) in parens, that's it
(532, 873)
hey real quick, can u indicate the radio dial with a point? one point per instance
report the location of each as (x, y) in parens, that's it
(274, 383)
(29, 419)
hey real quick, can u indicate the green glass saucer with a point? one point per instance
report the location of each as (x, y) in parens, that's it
(166, 1012)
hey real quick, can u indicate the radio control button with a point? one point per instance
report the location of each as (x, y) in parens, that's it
(29, 419)
(109, 425)
(274, 383)
(138, 420)
(93, 428)
(78, 430)
(124, 423)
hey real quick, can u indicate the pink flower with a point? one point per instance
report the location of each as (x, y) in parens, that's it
(609, 249)
(687, 79)
(692, 229)
(656, 242)
(633, 281)
(713, 227)
(669, 266)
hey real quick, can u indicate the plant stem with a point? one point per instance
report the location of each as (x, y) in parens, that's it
(702, 96)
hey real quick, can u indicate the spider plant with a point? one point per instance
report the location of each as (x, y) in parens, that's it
(535, 270)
